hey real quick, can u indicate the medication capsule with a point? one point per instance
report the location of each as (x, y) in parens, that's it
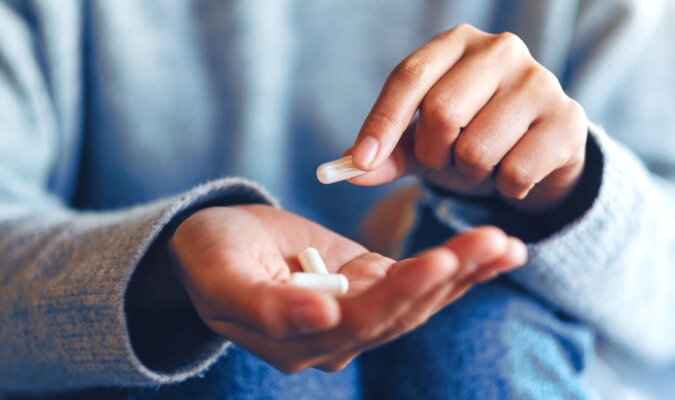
(329, 283)
(338, 170)
(311, 261)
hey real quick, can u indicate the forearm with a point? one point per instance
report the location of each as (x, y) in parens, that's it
(62, 295)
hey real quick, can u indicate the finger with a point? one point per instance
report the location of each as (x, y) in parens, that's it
(494, 130)
(495, 262)
(260, 303)
(365, 270)
(391, 169)
(368, 316)
(370, 319)
(514, 257)
(394, 310)
(420, 310)
(416, 314)
(399, 163)
(452, 103)
(483, 249)
(402, 93)
(549, 144)
(365, 317)
(426, 306)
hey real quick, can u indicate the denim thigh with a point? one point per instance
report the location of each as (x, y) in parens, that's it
(496, 342)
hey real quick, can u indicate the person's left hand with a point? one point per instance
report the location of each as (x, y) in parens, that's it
(232, 263)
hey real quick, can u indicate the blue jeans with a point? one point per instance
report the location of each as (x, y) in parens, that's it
(496, 342)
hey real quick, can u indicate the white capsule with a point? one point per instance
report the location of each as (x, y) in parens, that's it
(329, 283)
(338, 170)
(311, 261)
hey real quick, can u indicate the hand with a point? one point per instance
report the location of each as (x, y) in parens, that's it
(233, 262)
(490, 119)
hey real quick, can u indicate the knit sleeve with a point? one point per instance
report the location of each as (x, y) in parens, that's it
(63, 281)
(65, 273)
(611, 265)
(606, 255)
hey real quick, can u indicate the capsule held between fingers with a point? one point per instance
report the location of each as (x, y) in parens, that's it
(338, 170)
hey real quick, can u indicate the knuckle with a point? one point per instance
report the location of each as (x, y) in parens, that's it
(413, 70)
(475, 154)
(518, 175)
(578, 115)
(539, 77)
(384, 119)
(445, 116)
(578, 128)
(429, 156)
(463, 29)
(509, 44)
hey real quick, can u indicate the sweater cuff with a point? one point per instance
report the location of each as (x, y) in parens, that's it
(460, 212)
(113, 347)
(580, 232)
(571, 262)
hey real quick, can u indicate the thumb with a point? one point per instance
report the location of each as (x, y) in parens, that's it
(400, 162)
(393, 168)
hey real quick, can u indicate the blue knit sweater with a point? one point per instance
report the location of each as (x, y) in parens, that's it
(117, 116)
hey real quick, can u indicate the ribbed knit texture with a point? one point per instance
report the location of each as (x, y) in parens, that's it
(108, 106)
(612, 266)
(67, 293)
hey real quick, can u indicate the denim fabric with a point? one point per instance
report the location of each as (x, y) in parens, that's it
(106, 106)
(497, 342)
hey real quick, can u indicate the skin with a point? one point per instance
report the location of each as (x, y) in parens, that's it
(491, 120)
(232, 262)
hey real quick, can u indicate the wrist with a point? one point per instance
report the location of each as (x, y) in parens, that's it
(581, 198)
(155, 286)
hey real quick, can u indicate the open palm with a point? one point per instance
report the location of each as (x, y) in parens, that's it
(234, 260)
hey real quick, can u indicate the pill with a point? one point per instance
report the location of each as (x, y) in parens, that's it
(311, 261)
(338, 170)
(329, 283)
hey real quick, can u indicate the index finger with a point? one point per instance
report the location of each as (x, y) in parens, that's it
(402, 94)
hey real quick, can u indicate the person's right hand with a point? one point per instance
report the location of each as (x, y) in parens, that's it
(491, 121)
(233, 262)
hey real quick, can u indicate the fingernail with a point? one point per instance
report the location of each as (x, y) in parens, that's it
(366, 151)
